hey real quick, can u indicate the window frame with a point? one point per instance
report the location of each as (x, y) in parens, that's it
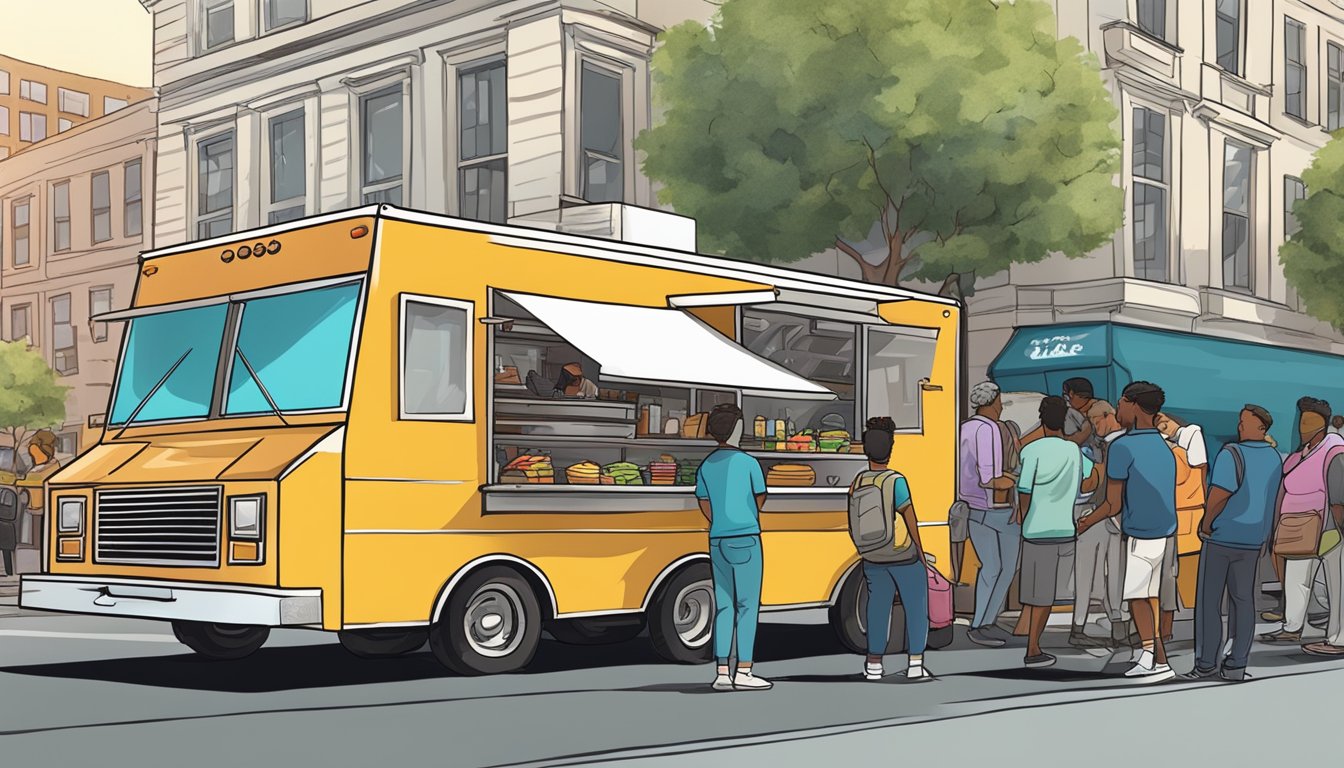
(26, 91)
(98, 329)
(199, 217)
(95, 211)
(5, 129)
(865, 370)
(73, 349)
(271, 206)
(362, 96)
(63, 92)
(463, 164)
(1238, 38)
(1163, 185)
(27, 204)
(1297, 185)
(1247, 216)
(203, 9)
(469, 414)
(1334, 86)
(32, 117)
(5, 83)
(106, 99)
(27, 309)
(127, 201)
(265, 20)
(1161, 17)
(1291, 25)
(618, 73)
(57, 220)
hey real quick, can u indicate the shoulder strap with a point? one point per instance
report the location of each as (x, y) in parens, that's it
(1239, 461)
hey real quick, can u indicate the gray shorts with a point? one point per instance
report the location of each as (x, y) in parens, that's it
(1038, 577)
(959, 522)
(1167, 597)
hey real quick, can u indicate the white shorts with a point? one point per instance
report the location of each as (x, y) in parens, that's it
(1143, 568)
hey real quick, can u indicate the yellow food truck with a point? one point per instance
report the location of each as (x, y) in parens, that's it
(404, 427)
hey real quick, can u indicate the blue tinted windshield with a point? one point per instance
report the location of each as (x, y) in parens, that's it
(155, 343)
(299, 346)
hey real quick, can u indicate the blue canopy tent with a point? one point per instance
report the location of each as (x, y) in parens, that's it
(1207, 380)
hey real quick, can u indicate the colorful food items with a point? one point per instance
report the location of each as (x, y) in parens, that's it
(622, 473)
(584, 473)
(529, 468)
(791, 476)
(663, 471)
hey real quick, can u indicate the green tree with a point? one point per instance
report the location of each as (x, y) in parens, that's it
(1313, 258)
(30, 398)
(964, 131)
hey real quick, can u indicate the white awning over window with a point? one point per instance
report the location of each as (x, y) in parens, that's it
(666, 346)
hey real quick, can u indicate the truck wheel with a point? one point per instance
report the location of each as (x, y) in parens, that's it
(849, 618)
(681, 618)
(491, 624)
(596, 631)
(220, 641)
(382, 643)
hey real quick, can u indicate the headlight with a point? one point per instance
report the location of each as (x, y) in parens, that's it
(245, 513)
(71, 516)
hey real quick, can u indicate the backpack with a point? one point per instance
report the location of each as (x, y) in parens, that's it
(1238, 462)
(878, 533)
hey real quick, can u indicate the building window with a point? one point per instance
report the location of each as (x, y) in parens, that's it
(214, 185)
(288, 168)
(67, 444)
(1228, 23)
(73, 102)
(102, 207)
(1334, 88)
(4, 83)
(100, 303)
(482, 109)
(4, 121)
(282, 13)
(64, 360)
(1295, 68)
(111, 105)
(63, 125)
(1237, 217)
(1150, 189)
(133, 211)
(1152, 17)
(601, 137)
(32, 127)
(1293, 191)
(33, 91)
(60, 217)
(20, 217)
(218, 27)
(19, 328)
(436, 357)
(381, 121)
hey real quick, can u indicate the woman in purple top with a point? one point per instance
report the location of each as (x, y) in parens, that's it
(996, 538)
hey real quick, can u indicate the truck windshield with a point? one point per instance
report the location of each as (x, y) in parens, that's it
(154, 344)
(299, 347)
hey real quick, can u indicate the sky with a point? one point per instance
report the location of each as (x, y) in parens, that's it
(111, 39)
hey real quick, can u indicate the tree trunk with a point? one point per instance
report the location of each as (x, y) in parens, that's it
(886, 272)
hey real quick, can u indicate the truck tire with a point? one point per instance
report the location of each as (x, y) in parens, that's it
(222, 642)
(849, 616)
(597, 630)
(681, 617)
(382, 643)
(490, 625)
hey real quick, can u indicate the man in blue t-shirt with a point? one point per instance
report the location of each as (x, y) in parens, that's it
(1141, 488)
(1238, 517)
(730, 487)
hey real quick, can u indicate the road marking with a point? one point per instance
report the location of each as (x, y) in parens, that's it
(130, 638)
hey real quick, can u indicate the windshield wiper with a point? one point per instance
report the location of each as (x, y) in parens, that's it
(269, 401)
(145, 400)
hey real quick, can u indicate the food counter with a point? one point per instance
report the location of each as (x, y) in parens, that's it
(536, 498)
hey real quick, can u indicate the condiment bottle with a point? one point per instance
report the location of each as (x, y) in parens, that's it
(760, 426)
(779, 429)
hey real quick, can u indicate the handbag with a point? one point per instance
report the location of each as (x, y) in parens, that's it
(1298, 536)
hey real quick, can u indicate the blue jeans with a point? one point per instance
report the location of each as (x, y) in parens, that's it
(1230, 571)
(911, 582)
(997, 542)
(737, 565)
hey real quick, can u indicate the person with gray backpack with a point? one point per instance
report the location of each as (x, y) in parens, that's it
(885, 532)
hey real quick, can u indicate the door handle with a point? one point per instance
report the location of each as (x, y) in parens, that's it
(926, 386)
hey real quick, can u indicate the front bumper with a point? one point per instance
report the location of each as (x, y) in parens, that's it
(173, 600)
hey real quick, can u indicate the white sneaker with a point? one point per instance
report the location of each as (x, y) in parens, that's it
(723, 683)
(1160, 672)
(918, 673)
(746, 681)
(872, 671)
(1143, 664)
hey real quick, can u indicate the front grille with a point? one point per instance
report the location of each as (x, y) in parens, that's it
(158, 526)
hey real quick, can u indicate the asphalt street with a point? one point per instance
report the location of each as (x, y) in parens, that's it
(77, 690)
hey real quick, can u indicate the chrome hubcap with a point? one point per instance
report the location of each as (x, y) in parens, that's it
(494, 621)
(693, 614)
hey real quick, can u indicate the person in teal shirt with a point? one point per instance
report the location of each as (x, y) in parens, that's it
(1054, 471)
(730, 487)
